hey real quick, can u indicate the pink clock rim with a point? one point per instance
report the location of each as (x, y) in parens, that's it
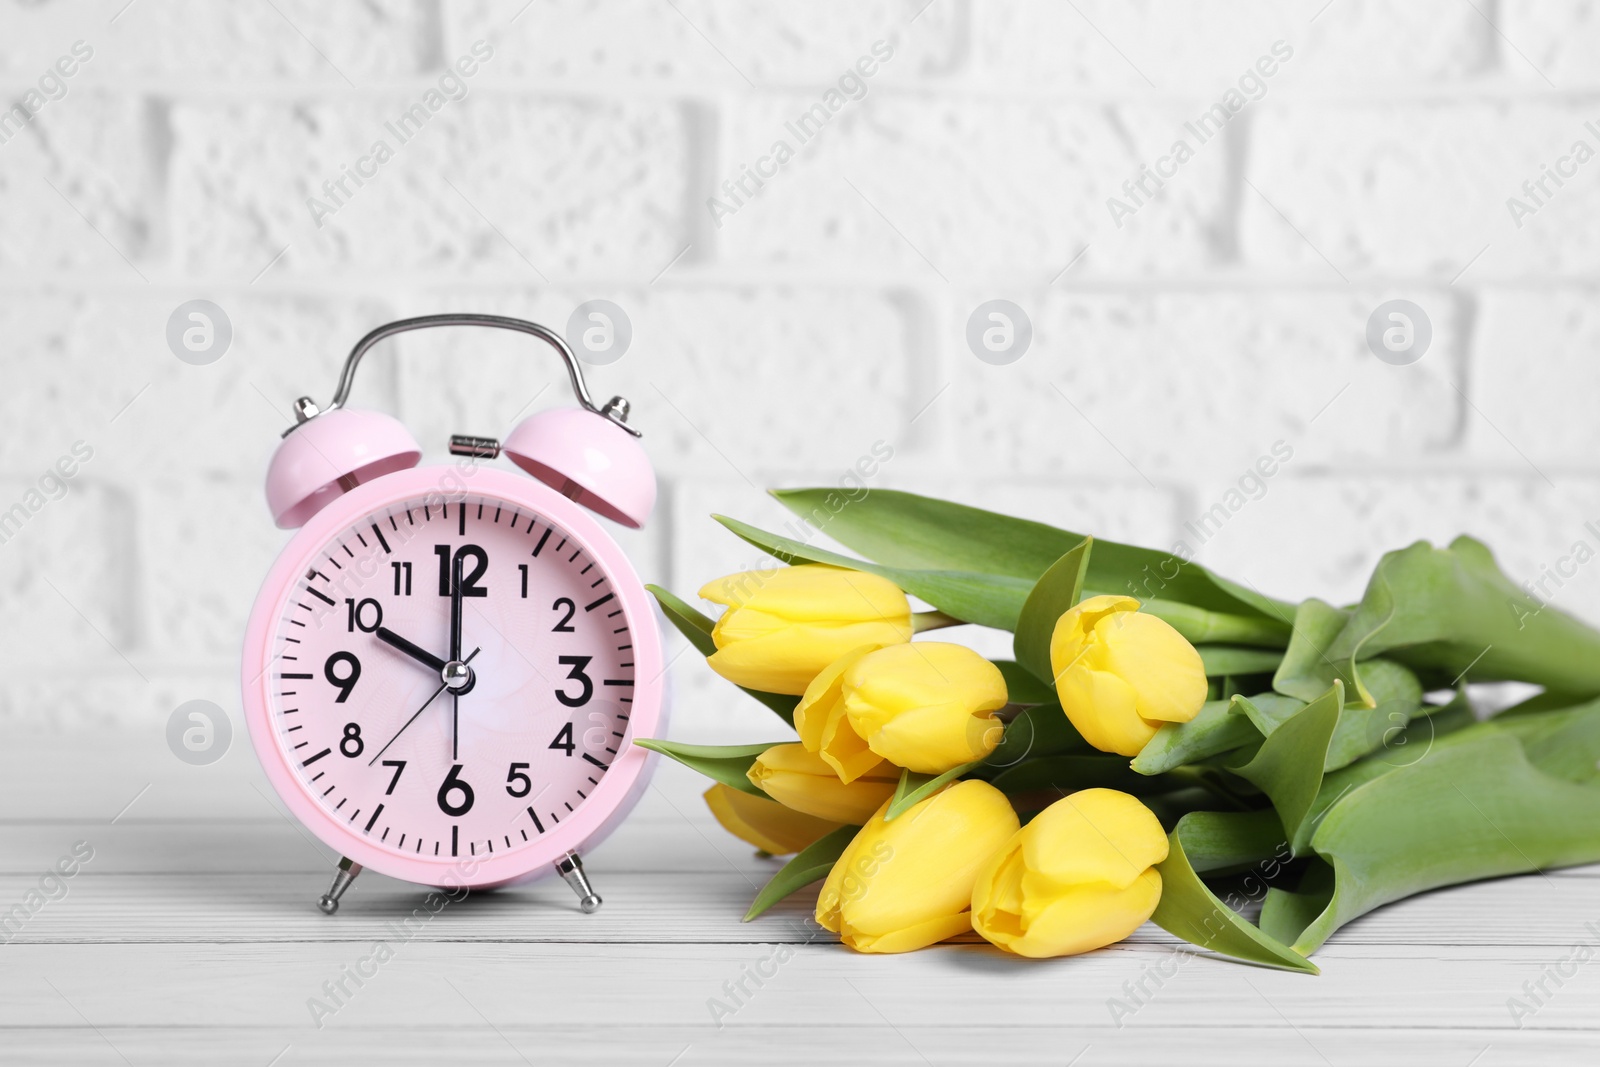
(617, 787)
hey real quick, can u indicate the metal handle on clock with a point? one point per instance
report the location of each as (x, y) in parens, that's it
(615, 409)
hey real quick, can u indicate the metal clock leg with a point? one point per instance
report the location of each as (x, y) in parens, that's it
(571, 870)
(348, 869)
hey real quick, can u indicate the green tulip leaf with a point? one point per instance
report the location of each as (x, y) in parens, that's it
(1232, 660)
(728, 764)
(1410, 745)
(1042, 730)
(1224, 688)
(1021, 685)
(1068, 774)
(1363, 730)
(1307, 670)
(696, 627)
(1221, 726)
(1360, 729)
(1191, 911)
(1057, 590)
(915, 788)
(810, 864)
(1268, 711)
(1384, 680)
(1199, 626)
(1453, 615)
(907, 530)
(1561, 743)
(692, 624)
(986, 599)
(1286, 913)
(1227, 842)
(1288, 766)
(1473, 806)
(996, 600)
(1549, 700)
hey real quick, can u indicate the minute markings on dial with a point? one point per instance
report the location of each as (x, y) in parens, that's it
(333, 595)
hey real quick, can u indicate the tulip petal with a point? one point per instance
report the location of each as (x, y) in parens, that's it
(811, 592)
(927, 672)
(909, 938)
(767, 825)
(696, 629)
(1089, 916)
(1165, 671)
(805, 782)
(824, 726)
(831, 897)
(786, 660)
(909, 883)
(1075, 629)
(1102, 707)
(928, 740)
(1079, 876)
(925, 705)
(1094, 835)
(925, 862)
(782, 627)
(997, 894)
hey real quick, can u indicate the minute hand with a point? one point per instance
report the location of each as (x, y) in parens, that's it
(455, 654)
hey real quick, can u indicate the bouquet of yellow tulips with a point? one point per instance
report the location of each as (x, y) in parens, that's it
(1165, 745)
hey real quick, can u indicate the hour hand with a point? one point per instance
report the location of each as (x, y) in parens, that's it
(416, 652)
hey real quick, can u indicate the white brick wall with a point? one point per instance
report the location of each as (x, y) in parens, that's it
(826, 313)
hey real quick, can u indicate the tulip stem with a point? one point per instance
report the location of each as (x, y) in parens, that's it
(933, 620)
(1011, 711)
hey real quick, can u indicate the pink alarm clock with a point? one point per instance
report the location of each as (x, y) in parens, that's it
(446, 666)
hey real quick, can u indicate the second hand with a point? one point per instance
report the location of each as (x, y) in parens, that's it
(419, 711)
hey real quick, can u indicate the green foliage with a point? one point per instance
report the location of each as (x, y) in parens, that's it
(1057, 591)
(811, 864)
(728, 764)
(696, 627)
(1346, 789)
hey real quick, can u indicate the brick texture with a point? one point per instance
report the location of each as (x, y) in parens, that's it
(780, 332)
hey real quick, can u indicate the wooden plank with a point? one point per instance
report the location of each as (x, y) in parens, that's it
(741, 1045)
(192, 937)
(697, 907)
(738, 1045)
(942, 989)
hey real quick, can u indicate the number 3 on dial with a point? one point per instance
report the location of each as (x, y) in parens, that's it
(586, 686)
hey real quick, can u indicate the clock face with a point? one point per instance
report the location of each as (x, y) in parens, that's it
(368, 727)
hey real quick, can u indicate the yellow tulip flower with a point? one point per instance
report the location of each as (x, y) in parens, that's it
(802, 781)
(925, 706)
(1120, 674)
(781, 629)
(824, 726)
(1081, 875)
(907, 884)
(766, 824)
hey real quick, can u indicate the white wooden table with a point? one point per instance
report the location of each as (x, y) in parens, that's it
(192, 936)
